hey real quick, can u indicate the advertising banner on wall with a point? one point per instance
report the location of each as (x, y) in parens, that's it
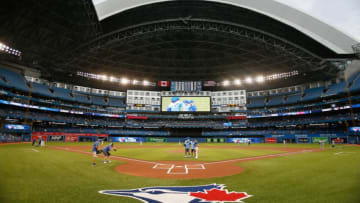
(220, 140)
(317, 139)
(155, 139)
(43, 137)
(68, 134)
(270, 140)
(303, 140)
(55, 138)
(338, 140)
(71, 138)
(127, 139)
(243, 140)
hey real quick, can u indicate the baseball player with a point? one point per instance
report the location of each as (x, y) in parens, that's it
(175, 104)
(186, 105)
(107, 154)
(187, 148)
(95, 152)
(196, 149)
(192, 146)
(33, 142)
(192, 106)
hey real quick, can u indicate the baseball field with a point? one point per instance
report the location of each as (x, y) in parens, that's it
(62, 172)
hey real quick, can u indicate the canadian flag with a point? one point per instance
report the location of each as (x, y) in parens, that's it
(164, 83)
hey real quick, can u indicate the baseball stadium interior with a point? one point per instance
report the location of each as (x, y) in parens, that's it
(67, 70)
(180, 101)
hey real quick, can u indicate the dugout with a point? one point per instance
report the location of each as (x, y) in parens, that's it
(87, 139)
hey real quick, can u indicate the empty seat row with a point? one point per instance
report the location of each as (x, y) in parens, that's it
(13, 80)
(313, 93)
(335, 89)
(41, 89)
(309, 95)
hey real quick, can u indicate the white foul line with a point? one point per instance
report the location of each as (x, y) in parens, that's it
(259, 157)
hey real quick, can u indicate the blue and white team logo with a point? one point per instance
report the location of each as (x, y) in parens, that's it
(181, 194)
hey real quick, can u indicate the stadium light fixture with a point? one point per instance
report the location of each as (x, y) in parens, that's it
(226, 83)
(237, 82)
(9, 50)
(112, 79)
(260, 79)
(104, 77)
(124, 81)
(249, 80)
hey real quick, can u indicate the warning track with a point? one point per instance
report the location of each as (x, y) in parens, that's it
(187, 169)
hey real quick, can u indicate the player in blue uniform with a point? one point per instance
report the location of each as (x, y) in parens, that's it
(95, 151)
(186, 105)
(175, 104)
(106, 152)
(187, 148)
(192, 106)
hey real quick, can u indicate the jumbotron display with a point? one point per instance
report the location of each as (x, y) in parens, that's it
(185, 104)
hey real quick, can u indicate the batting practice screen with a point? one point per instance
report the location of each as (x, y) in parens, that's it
(185, 104)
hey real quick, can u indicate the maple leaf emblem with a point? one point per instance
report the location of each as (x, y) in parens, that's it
(216, 195)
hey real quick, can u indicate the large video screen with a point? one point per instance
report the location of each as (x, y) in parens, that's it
(185, 104)
(16, 127)
(355, 129)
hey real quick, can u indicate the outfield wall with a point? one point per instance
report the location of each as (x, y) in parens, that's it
(88, 137)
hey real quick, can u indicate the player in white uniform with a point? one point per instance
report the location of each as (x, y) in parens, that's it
(196, 148)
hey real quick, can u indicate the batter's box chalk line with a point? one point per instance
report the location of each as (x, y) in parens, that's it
(174, 169)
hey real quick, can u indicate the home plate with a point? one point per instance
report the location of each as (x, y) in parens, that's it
(195, 166)
(178, 169)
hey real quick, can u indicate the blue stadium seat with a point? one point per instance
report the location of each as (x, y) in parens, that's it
(14, 80)
(116, 102)
(63, 94)
(353, 77)
(292, 99)
(81, 98)
(3, 82)
(98, 101)
(259, 102)
(42, 90)
(313, 93)
(335, 89)
(274, 101)
(355, 86)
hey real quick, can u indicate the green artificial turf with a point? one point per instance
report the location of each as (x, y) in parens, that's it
(62, 176)
(205, 154)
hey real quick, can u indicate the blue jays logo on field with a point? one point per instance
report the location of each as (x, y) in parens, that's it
(181, 194)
